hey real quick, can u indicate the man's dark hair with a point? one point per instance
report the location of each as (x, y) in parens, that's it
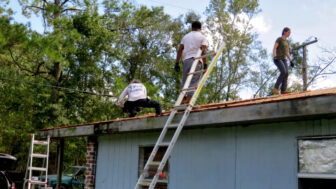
(135, 81)
(286, 29)
(196, 25)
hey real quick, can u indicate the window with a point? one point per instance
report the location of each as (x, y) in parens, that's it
(144, 153)
(317, 163)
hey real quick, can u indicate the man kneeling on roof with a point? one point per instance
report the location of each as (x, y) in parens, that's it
(137, 97)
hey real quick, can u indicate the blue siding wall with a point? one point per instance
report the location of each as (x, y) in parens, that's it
(262, 156)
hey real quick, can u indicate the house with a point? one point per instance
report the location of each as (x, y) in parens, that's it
(276, 142)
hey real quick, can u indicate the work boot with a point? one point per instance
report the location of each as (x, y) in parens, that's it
(285, 92)
(276, 91)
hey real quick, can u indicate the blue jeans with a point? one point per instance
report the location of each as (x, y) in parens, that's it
(283, 77)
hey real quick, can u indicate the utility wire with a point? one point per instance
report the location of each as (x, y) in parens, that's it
(56, 87)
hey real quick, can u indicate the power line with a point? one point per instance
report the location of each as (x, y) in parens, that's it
(56, 87)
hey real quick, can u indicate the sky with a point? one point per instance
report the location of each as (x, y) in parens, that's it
(306, 18)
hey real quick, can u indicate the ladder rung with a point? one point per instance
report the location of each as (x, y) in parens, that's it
(155, 163)
(174, 125)
(164, 144)
(181, 107)
(40, 155)
(144, 183)
(190, 89)
(159, 181)
(38, 182)
(197, 72)
(40, 142)
(37, 169)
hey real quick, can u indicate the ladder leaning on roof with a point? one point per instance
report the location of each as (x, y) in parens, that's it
(31, 164)
(186, 108)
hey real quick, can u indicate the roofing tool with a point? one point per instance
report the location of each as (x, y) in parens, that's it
(171, 123)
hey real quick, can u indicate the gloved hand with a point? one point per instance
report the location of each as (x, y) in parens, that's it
(177, 67)
(120, 104)
(205, 66)
(292, 64)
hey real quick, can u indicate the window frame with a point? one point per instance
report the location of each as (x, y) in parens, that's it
(301, 175)
(142, 162)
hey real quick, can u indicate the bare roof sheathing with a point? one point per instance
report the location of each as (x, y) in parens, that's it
(272, 107)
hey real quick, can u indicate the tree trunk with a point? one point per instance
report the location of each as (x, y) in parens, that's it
(57, 71)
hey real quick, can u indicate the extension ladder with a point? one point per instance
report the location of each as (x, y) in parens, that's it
(35, 180)
(186, 108)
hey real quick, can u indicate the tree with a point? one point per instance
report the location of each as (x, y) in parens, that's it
(36, 66)
(46, 78)
(229, 22)
(322, 68)
(147, 40)
(51, 10)
(262, 74)
(325, 67)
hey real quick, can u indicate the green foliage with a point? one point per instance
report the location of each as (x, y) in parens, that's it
(147, 47)
(191, 17)
(262, 74)
(82, 50)
(229, 23)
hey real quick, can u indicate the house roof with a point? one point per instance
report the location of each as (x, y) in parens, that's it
(248, 104)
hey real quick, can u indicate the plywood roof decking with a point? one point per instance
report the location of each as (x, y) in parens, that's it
(229, 104)
(267, 99)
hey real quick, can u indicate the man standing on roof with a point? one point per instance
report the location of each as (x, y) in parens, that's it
(137, 97)
(190, 45)
(280, 51)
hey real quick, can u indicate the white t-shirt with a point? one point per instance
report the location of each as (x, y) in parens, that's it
(134, 91)
(192, 42)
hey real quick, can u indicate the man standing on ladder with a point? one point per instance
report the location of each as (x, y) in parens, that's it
(190, 45)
